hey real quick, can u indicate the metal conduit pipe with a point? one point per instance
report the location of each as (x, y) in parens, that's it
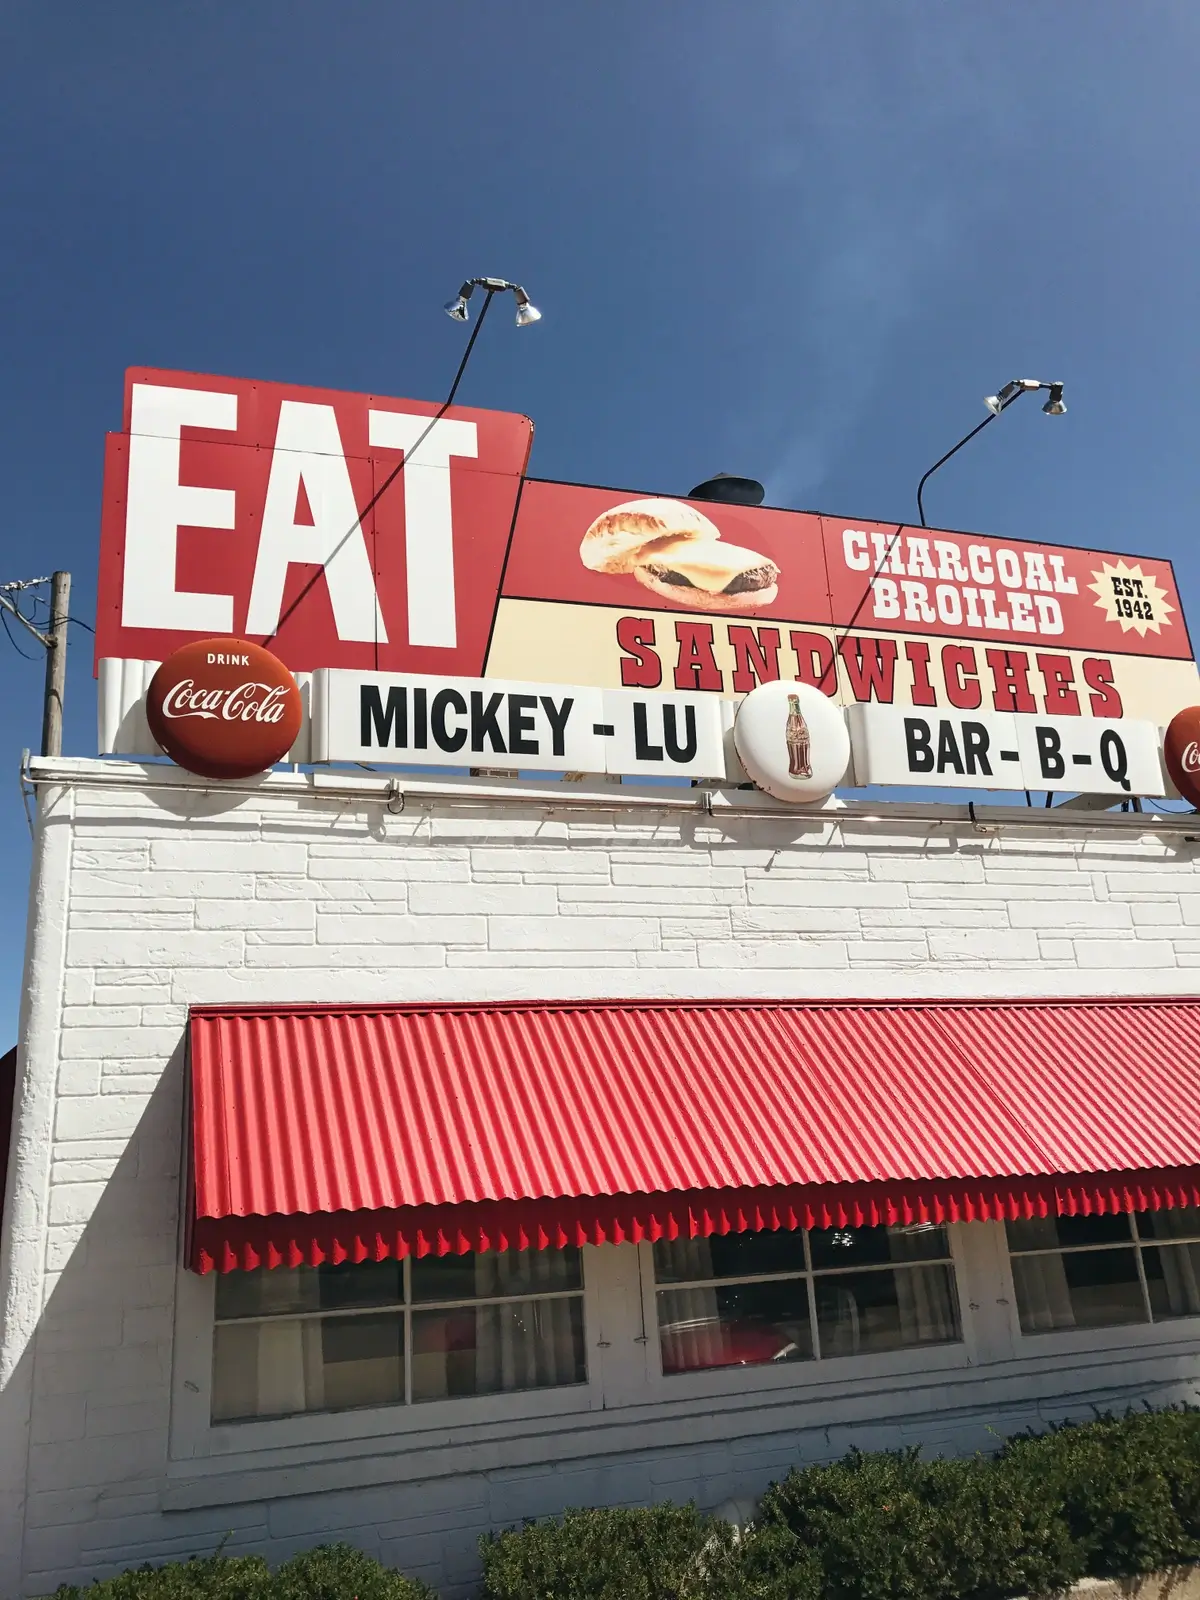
(717, 804)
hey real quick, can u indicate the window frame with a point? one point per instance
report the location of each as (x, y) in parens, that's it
(1115, 1335)
(194, 1435)
(623, 1373)
(814, 1372)
(406, 1308)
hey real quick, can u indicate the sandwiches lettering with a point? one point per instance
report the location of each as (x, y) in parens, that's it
(735, 657)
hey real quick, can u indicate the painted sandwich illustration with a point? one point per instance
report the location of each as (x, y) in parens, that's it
(674, 550)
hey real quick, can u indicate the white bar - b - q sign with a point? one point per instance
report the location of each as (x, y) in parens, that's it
(1005, 750)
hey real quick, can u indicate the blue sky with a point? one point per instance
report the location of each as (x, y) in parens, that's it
(793, 240)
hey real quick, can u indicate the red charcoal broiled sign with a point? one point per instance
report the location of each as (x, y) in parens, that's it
(831, 571)
(656, 592)
(224, 708)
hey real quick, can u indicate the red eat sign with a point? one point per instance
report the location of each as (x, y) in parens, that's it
(255, 509)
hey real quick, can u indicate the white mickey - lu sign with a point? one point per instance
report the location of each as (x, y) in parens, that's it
(423, 720)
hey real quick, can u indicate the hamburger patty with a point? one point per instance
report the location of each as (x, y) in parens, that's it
(756, 578)
(744, 583)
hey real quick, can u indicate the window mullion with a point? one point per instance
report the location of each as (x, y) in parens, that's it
(498, 1300)
(1141, 1267)
(382, 1308)
(884, 1266)
(811, 1288)
(716, 1283)
(1077, 1249)
(406, 1291)
(320, 1315)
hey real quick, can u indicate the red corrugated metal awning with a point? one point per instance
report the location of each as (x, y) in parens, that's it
(332, 1133)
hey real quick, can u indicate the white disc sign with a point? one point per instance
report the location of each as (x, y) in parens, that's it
(792, 740)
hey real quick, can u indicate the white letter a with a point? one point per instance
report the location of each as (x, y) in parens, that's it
(308, 450)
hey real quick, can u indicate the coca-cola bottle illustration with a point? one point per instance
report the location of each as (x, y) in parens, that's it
(798, 740)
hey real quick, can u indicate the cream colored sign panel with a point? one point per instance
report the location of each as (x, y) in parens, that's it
(610, 648)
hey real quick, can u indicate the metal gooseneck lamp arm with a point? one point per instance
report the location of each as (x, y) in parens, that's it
(457, 309)
(996, 403)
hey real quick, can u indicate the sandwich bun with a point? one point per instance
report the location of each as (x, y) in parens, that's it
(618, 537)
(708, 577)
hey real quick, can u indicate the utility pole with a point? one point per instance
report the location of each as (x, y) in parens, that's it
(54, 642)
(56, 664)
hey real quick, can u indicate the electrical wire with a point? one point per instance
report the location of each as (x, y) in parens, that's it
(891, 545)
(866, 594)
(11, 640)
(391, 477)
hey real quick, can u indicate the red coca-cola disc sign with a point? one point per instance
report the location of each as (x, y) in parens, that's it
(1181, 752)
(224, 708)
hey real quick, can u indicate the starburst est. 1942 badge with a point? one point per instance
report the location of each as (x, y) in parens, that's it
(1131, 597)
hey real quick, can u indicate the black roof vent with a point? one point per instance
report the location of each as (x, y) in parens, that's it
(729, 490)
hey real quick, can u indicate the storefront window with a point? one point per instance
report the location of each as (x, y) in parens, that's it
(329, 1338)
(1102, 1271)
(751, 1298)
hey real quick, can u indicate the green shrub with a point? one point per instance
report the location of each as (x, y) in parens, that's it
(1012, 1539)
(1115, 1497)
(890, 1526)
(203, 1578)
(1111, 1498)
(331, 1572)
(1173, 1439)
(664, 1553)
(339, 1572)
(1128, 1488)
(769, 1563)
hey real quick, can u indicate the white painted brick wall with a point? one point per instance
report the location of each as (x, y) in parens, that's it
(275, 897)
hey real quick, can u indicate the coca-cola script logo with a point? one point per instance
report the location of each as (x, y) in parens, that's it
(224, 708)
(1181, 752)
